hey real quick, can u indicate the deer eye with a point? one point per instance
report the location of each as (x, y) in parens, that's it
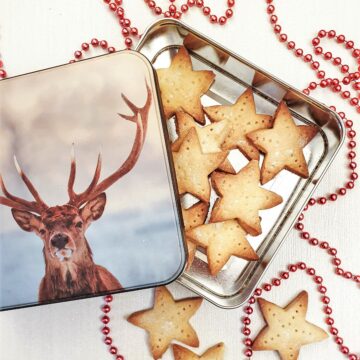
(42, 231)
(79, 224)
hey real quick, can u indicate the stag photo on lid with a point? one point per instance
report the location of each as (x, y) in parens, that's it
(87, 198)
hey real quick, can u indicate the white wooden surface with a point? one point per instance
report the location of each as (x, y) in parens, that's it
(41, 33)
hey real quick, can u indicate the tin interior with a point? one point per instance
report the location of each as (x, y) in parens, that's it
(237, 280)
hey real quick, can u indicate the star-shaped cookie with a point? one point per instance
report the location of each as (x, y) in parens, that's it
(241, 197)
(243, 119)
(211, 137)
(283, 145)
(214, 353)
(168, 320)
(287, 329)
(193, 216)
(181, 87)
(222, 240)
(192, 167)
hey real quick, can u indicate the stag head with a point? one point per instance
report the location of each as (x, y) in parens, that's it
(62, 228)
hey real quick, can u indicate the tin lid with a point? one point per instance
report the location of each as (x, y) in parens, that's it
(94, 210)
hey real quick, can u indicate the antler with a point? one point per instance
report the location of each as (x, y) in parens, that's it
(38, 206)
(140, 117)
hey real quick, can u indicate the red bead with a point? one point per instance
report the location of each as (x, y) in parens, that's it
(321, 75)
(151, 4)
(277, 29)
(351, 133)
(339, 271)
(352, 144)
(314, 242)
(342, 191)
(344, 350)
(248, 352)
(134, 31)
(78, 54)
(336, 261)
(94, 42)
(328, 55)
(273, 19)
(258, 292)
(283, 38)
(184, 8)
(308, 57)
(105, 330)
(349, 44)
(348, 275)
(222, 20)
(113, 350)
(1, 64)
(128, 42)
(327, 310)
(111, 49)
(301, 266)
(107, 1)
(199, 3)
(305, 235)
(311, 202)
(352, 165)
(306, 91)
(345, 94)
(252, 300)
(125, 31)
(158, 10)
(127, 22)
(340, 39)
(167, 14)
(85, 46)
(108, 340)
(357, 278)
(291, 45)
(247, 342)
(284, 275)
(120, 13)
(330, 321)
(191, 2)
(322, 201)
(354, 176)
(249, 310)
(339, 340)
(292, 268)
(325, 300)
(316, 41)
(299, 226)
(311, 271)
(346, 80)
(331, 34)
(172, 8)
(103, 44)
(344, 68)
(206, 10)
(333, 197)
(334, 331)
(318, 279)
(231, 3)
(332, 251)
(322, 289)
(105, 319)
(106, 309)
(354, 101)
(270, 9)
(246, 331)
(315, 65)
(112, 6)
(322, 33)
(353, 357)
(267, 287)
(324, 245)
(3, 74)
(246, 321)
(213, 18)
(177, 15)
(318, 50)
(299, 52)
(229, 13)
(301, 217)
(276, 282)
(119, 357)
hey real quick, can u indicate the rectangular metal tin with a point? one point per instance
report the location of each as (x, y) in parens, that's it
(236, 282)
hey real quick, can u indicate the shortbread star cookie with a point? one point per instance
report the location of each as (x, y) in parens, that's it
(168, 320)
(222, 240)
(283, 145)
(287, 330)
(243, 119)
(241, 198)
(211, 137)
(193, 216)
(181, 87)
(192, 167)
(214, 353)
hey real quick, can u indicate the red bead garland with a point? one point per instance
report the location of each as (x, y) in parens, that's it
(329, 321)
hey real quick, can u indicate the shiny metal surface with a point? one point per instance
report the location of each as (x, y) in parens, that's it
(236, 282)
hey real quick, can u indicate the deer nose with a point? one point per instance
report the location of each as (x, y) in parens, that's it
(59, 241)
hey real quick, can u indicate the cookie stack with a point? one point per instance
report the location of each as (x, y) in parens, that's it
(202, 164)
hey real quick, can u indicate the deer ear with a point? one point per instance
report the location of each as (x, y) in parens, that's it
(26, 220)
(94, 208)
